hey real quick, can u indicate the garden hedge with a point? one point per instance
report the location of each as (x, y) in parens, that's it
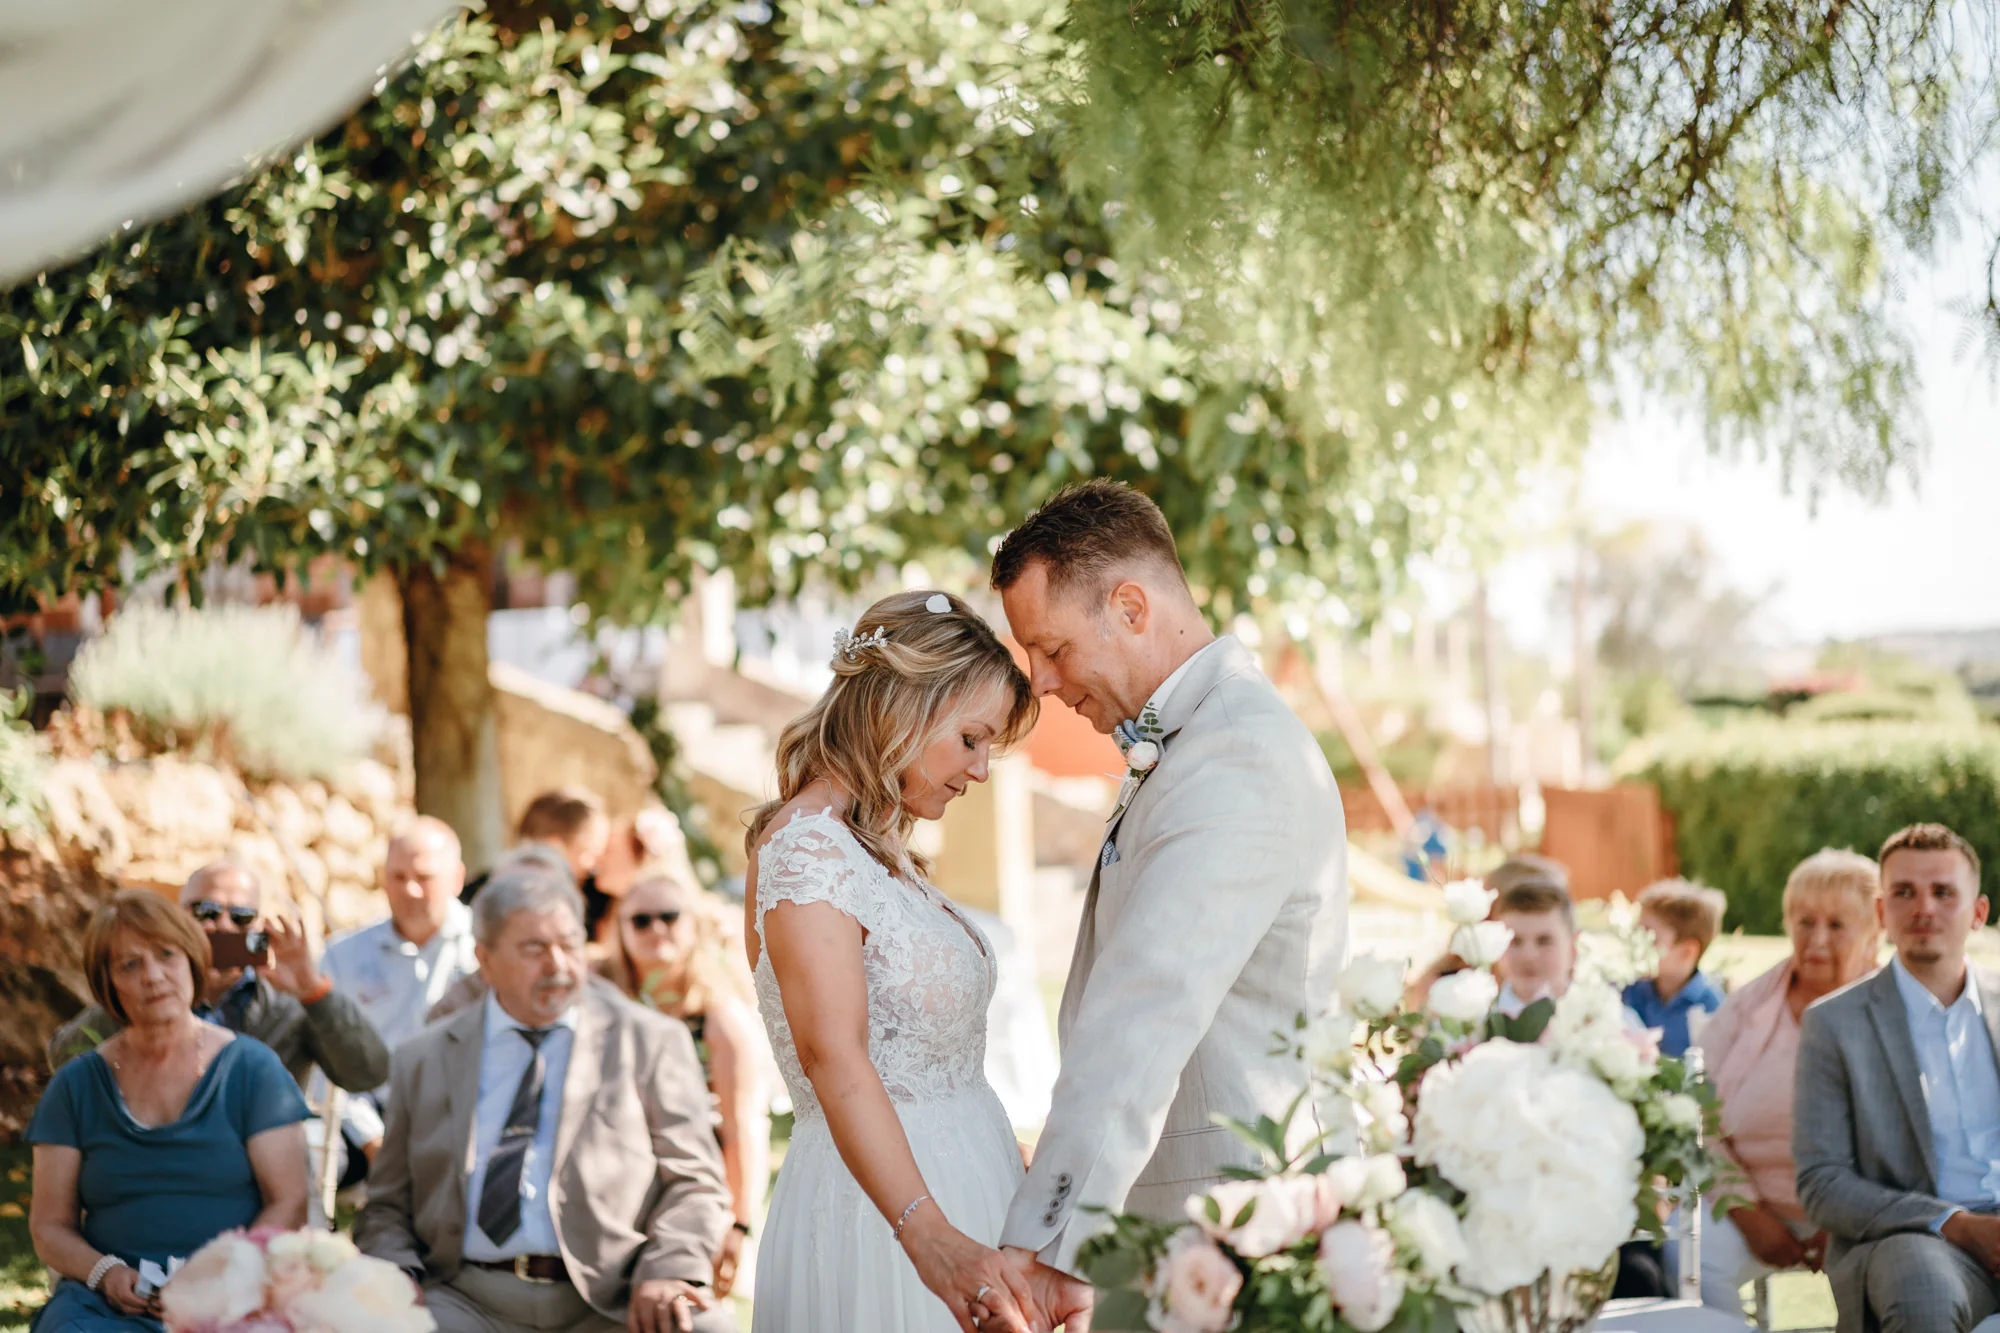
(1752, 800)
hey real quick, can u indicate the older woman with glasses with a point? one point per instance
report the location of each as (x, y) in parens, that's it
(169, 1133)
(674, 953)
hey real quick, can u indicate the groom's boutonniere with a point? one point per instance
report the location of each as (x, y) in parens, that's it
(1140, 741)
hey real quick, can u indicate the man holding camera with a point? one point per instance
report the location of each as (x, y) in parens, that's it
(264, 984)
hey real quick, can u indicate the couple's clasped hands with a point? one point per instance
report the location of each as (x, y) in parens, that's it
(993, 1291)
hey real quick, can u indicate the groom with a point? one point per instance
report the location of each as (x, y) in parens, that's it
(1218, 911)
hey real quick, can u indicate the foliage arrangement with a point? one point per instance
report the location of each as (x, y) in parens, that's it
(248, 684)
(1751, 801)
(20, 766)
(1466, 1155)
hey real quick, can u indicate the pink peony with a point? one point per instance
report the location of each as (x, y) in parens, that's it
(362, 1296)
(1358, 1261)
(1281, 1214)
(1194, 1287)
(221, 1284)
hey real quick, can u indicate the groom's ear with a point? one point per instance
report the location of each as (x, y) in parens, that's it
(1131, 608)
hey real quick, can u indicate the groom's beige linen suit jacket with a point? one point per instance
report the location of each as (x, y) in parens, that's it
(1217, 914)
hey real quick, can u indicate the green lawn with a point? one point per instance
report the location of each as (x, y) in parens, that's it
(21, 1287)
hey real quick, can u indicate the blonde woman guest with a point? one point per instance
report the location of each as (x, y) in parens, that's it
(874, 990)
(674, 952)
(1751, 1047)
(168, 1134)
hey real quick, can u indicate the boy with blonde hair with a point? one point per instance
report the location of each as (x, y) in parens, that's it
(1684, 918)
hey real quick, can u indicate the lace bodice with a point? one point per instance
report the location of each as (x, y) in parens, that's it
(929, 969)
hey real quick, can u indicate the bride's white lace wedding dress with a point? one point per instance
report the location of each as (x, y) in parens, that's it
(828, 1263)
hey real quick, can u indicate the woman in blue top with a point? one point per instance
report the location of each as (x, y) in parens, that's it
(168, 1134)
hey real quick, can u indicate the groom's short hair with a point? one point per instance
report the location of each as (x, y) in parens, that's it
(1085, 533)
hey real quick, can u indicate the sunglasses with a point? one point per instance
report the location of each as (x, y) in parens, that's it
(240, 917)
(645, 920)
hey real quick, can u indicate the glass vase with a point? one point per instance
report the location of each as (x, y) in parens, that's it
(1549, 1304)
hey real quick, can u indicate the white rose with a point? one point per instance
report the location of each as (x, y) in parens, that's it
(1358, 1261)
(330, 1249)
(1328, 1042)
(1384, 1104)
(1431, 1228)
(222, 1283)
(1281, 1212)
(1681, 1111)
(1481, 943)
(1363, 1182)
(1464, 997)
(363, 1295)
(1373, 987)
(1194, 1286)
(1467, 901)
(1142, 756)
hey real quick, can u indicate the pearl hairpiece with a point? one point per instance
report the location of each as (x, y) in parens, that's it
(938, 605)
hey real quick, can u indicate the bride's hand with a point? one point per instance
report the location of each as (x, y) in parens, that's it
(964, 1274)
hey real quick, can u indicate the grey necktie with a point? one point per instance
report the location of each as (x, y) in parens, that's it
(500, 1196)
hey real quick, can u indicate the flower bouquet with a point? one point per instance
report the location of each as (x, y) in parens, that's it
(1465, 1166)
(270, 1281)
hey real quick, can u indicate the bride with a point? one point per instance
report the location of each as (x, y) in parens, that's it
(874, 989)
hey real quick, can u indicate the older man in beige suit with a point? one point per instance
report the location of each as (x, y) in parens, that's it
(1218, 911)
(548, 1161)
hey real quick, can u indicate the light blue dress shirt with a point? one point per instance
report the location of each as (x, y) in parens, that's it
(503, 1058)
(394, 983)
(1961, 1090)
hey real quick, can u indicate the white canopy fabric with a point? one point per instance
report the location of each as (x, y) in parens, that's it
(121, 111)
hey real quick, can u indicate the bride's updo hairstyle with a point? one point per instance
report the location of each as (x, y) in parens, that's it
(900, 681)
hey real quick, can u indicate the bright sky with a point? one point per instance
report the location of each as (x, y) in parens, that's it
(1926, 558)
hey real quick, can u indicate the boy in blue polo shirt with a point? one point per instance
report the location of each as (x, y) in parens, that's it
(1685, 919)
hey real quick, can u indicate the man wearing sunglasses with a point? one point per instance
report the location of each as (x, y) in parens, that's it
(283, 1001)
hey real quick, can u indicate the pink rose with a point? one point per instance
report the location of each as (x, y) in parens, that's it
(1280, 1212)
(1358, 1261)
(1327, 1201)
(363, 1296)
(1194, 1286)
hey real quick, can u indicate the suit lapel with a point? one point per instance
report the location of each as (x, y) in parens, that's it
(1892, 1030)
(464, 1039)
(584, 1075)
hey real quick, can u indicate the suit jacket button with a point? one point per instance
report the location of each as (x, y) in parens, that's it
(1049, 1218)
(1062, 1181)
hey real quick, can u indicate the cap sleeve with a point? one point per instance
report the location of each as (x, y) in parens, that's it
(814, 859)
(55, 1122)
(263, 1096)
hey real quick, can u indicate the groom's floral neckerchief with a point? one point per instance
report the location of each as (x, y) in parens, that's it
(1140, 741)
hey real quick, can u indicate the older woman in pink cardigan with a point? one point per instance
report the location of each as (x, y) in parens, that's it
(1751, 1047)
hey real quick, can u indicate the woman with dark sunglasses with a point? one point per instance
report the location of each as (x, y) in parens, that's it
(673, 952)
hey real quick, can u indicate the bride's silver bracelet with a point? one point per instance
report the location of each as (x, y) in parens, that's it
(896, 1231)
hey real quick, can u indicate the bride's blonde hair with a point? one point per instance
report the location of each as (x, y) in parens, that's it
(899, 683)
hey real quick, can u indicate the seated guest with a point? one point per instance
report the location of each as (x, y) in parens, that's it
(548, 1161)
(169, 1133)
(1541, 958)
(1684, 920)
(396, 969)
(1752, 1048)
(671, 954)
(571, 822)
(287, 1003)
(1896, 1112)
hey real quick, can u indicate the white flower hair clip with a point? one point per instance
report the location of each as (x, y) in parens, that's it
(849, 647)
(938, 605)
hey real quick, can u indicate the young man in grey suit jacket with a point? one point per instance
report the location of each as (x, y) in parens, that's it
(1218, 910)
(1896, 1120)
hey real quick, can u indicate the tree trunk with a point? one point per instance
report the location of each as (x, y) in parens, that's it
(453, 735)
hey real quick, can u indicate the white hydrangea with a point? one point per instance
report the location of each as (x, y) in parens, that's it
(1547, 1154)
(1591, 1030)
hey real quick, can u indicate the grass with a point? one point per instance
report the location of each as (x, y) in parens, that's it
(22, 1289)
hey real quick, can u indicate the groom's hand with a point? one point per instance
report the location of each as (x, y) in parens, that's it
(1056, 1299)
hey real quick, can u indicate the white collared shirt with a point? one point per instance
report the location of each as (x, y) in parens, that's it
(503, 1057)
(395, 982)
(1961, 1088)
